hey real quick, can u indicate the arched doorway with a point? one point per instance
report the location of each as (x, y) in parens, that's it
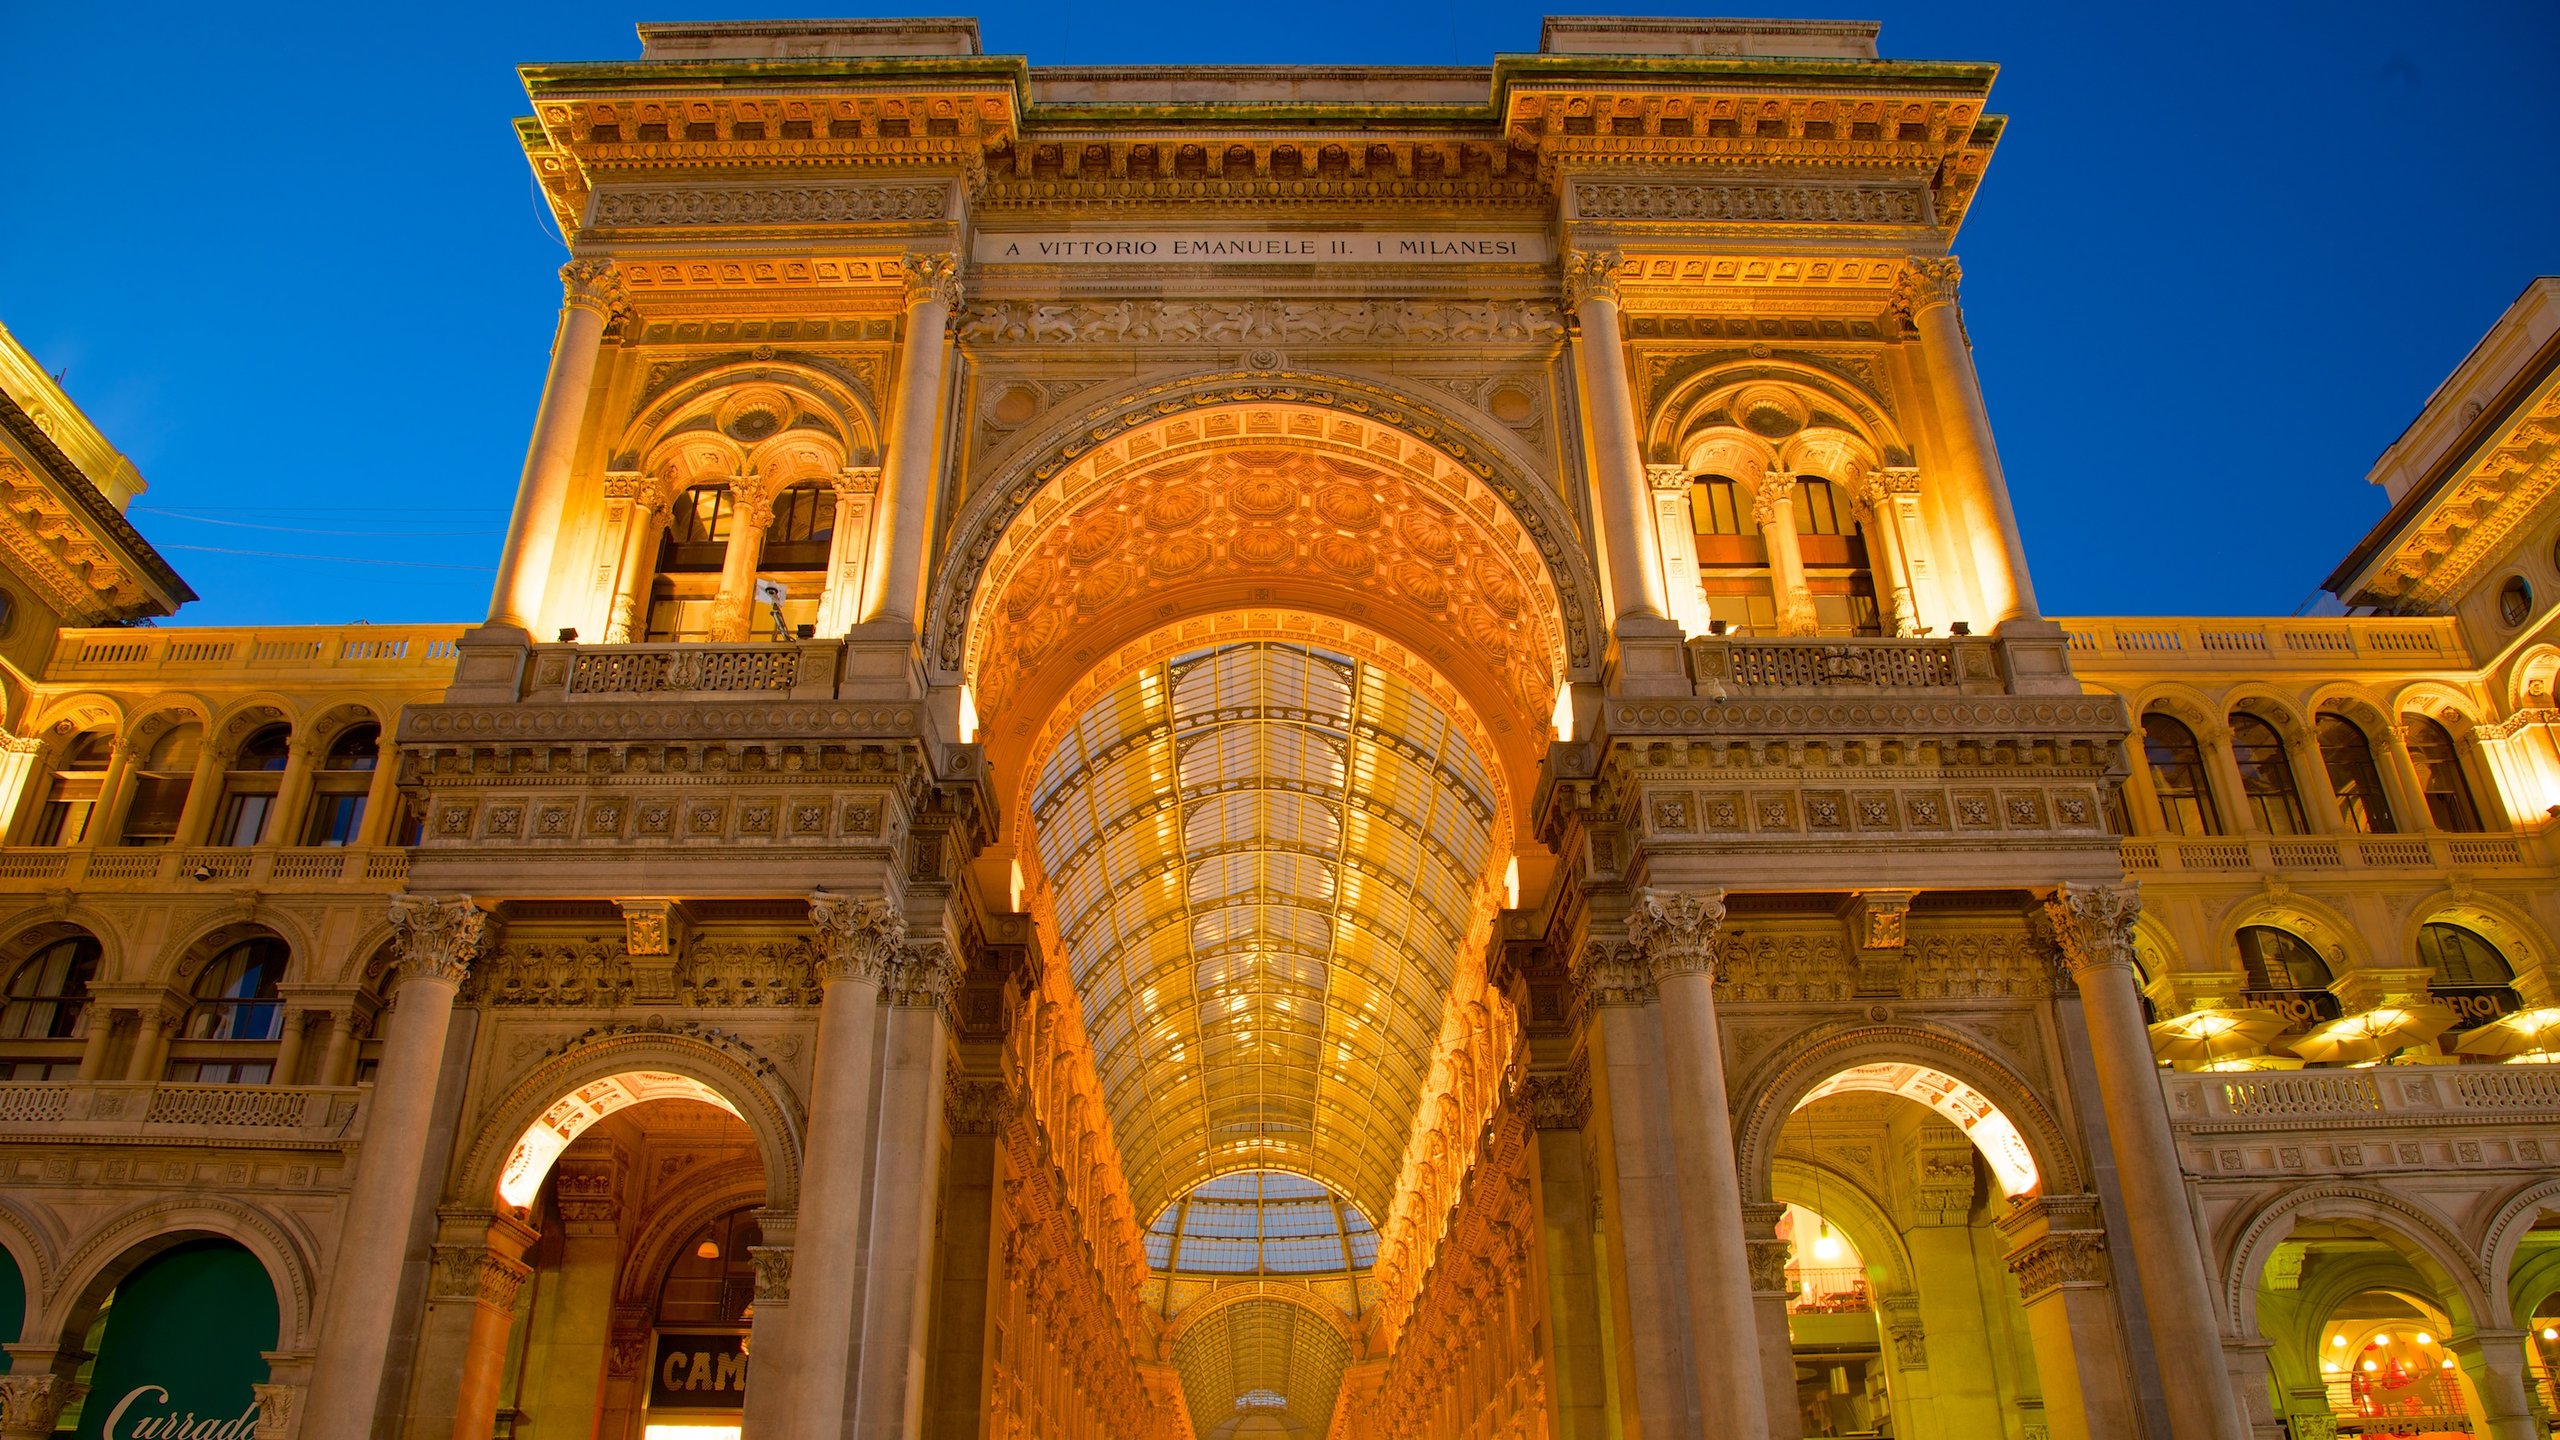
(611, 1287)
(178, 1340)
(1265, 680)
(1942, 1269)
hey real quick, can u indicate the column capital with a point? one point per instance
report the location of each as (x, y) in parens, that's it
(31, 1404)
(479, 1273)
(1926, 280)
(1667, 478)
(857, 482)
(858, 939)
(593, 285)
(2093, 926)
(437, 936)
(931, 277)
(1775, 493)
(1676, 931)
(1590, 275)
(1606, 974)
(773, 1273)
(275, 1410)
(922, 975)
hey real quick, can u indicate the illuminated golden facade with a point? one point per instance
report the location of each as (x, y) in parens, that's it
(1224, 752)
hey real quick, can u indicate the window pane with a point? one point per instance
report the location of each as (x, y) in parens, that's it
(2440, 779)
(243, 819)
(2177, 776)
(334, 820)
(2348, 756)
(2266, 776)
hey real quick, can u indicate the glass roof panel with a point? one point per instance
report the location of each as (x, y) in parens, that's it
(1280, 847)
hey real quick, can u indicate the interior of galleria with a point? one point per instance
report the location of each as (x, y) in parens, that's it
(1255, 753)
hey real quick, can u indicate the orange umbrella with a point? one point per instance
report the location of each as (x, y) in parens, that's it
(2203, 1037)
(2526, 1032)
(2375, 1034)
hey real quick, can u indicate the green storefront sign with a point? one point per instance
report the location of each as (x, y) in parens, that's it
(184, 1342)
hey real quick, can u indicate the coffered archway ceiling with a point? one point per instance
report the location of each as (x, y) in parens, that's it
(1261, 861)
(1263, 505)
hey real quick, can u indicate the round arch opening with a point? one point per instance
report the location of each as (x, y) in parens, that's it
(529, 1160)
(1995, 1135)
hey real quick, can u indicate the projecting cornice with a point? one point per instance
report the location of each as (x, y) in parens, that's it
(64, 537)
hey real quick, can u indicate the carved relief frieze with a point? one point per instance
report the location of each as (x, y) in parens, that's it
(1742, 200)
(663, 206)
(1191, 323)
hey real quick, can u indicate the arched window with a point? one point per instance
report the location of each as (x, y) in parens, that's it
(2468, 973)
(804, 525)
(2347, 753)
(2286, 976)
(712, 1281)
(2177, 776)
(49, 1000)
(2440, 778)
(75, 792)
(338, 791)
(697, 534)
(691, 553)
(236, 995)
(2266, 775)
(160, 787)
(2461, 957)
(249, 791)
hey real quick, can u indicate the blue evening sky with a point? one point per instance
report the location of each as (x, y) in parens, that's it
(290, 259)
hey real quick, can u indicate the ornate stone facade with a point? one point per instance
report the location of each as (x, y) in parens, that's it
(1451, 674)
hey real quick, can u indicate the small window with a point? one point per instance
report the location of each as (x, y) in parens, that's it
(2347, 754)
(2515, 601)
(161, 787)
(2440, 777)
(1718, 507)
(2281, 960)
(1817, 508)
(338, 791)
(2460, 957)
(712, 1280)
(803, 529)
(2266, 776)
(49, 996)
(236, 995)
(72, 799)
(2177, 776)
(249, 791)
(697, 535)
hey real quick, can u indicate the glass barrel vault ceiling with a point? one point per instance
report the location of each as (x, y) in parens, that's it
(1263, 858)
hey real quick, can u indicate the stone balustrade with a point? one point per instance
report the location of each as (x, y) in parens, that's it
(144, 868)
(2254, 855)
(343, 655)
(2322, 645)
(2344, 1121)
(50, 1112)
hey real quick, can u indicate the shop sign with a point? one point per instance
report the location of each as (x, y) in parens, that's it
(182, 1349)
(698, 1372)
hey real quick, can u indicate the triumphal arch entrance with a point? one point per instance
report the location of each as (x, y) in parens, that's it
(1215, 752)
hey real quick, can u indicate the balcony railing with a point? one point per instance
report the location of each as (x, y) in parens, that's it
(2420, 1095)
(399, 653)
(2257, 854)
(172, 1110)
(140, 867)
(2332, 643)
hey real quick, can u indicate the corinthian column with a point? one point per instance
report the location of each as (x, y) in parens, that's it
(437, 940)
(1676, 931)
(592, 296)
(858, 941)
(733, 610)
(30, 1404)
(1617, 452)
(2093, 927)
(627, 617)
(1878, 505)
(1927, 294)
(915, 442)
(904, 1189)
(1773, 508)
